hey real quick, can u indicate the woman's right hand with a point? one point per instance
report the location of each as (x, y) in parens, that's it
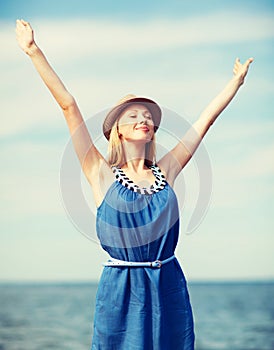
(25, 36)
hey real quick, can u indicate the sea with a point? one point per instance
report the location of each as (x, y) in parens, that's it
(49, 316)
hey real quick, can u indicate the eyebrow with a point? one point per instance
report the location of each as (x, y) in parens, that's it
(136, 110)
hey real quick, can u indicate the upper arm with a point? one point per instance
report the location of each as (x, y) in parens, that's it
(89, 156)
(175, 160)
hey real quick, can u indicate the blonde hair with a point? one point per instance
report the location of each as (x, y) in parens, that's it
(116, 152)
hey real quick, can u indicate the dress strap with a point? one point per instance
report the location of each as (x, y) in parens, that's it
(122, 263)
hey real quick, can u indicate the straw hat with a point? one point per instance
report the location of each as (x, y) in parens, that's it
(126, 101)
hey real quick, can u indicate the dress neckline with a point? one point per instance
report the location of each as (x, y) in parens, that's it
(158, 185)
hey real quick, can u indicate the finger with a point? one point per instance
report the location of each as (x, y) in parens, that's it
(25, 23)
(248, 61)
(19, 23)
(251, 59)
(237, 63)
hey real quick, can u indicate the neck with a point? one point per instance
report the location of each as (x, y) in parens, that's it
(134, 156)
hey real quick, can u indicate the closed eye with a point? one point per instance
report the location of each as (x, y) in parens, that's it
(148, 116)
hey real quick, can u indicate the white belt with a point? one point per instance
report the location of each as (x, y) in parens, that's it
(120, 263)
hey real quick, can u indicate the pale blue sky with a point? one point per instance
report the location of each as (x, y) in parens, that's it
(180, 53)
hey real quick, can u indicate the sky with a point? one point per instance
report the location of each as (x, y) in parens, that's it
(179, 53)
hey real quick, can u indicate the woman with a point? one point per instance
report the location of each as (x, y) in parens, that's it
(142, 300)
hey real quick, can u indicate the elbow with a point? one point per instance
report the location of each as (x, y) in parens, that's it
(68, 103)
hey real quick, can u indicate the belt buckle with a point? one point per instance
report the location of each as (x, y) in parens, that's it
(159, 264)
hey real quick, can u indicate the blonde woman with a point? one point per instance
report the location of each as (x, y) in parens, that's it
(142, 300)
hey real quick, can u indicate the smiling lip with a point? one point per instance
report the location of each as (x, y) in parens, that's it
(144, 128)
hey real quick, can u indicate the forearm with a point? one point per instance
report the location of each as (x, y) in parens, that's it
(179, 156)
(221, 101)
(49, 77)
(216, 106)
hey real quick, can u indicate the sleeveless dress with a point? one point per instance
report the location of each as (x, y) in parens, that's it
(141, 308)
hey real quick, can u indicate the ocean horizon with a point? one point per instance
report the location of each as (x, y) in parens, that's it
(228, 314)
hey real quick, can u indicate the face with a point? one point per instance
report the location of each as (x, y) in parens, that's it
(136, 124)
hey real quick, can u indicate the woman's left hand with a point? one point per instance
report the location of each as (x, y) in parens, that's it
(240, 69)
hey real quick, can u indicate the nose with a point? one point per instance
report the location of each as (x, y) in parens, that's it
(141, 118)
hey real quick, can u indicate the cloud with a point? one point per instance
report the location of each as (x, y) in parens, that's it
(260, 162)
(244, 183)
(68, 40)
(248, 144)
(89, 37)
(209, 254)
(29, 175)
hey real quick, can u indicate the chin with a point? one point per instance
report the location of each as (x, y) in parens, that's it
(141, 140)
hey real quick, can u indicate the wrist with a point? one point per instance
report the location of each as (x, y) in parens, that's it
(31, 50)
(238, 80)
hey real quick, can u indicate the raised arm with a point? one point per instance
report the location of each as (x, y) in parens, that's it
(175, 160)
(89, 157)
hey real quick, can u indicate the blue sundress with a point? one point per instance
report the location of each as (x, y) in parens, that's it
(141, 308)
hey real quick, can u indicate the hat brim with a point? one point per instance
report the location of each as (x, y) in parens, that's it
(115, 112)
